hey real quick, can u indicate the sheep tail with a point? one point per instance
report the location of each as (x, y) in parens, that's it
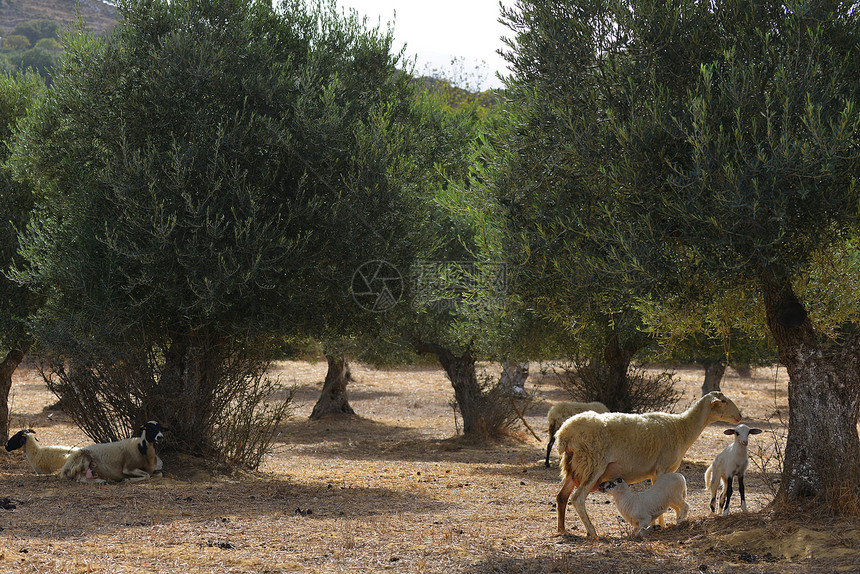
(577, 459)
(76, 465)
(708, 472)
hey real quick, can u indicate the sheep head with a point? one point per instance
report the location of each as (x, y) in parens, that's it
(742, 433)
(610, 484)
(722, 408)
(19, 439)
(153, 432)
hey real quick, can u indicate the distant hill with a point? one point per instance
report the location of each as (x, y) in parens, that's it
(99, 16)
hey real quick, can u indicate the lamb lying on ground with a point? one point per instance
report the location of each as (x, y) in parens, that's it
(132, 459)
(46, 459)
(641, 508)
(562, 411)
(732, 461)
(597, 447)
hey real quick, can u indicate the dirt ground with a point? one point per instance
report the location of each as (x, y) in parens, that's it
(394, 489)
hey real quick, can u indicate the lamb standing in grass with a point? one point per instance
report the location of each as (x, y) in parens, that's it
(597, 447)
(132, 459)
(562, 411)
(733, 461)
(46, 459)
(640, 509)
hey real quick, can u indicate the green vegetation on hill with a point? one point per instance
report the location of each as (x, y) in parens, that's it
(32, 30)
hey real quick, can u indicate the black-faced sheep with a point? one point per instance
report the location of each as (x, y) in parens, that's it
(132, 459)
(641, 508)
(562, 411)
(732, 461)
(46, 459)
(597, 447)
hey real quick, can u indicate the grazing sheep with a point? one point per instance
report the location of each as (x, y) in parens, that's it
(640, 509)
(562, 411)
(597, 447)
(132, 459)
(732, 461)
(46, 459)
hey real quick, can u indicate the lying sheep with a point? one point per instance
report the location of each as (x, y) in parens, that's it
(562, 411)
(46, 459)
(732, 461)
(597, 447)
(640, 509)
(132, 459)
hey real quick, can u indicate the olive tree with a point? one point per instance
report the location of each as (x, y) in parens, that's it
(721, 139)
(209, 175)
(17, 95)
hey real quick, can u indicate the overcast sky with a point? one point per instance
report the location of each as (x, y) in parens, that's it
(438, 30)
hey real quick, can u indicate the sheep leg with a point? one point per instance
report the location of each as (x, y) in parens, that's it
(741, 492)
(549, 448)
(714, 487)
(579, 497)
(728, 495)
(561, 502)
(681, 511)
(135, 474)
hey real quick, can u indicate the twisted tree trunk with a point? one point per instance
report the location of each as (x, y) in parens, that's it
(714, 371)
(334, 400)
(7, 368)
(823, 447)
(467, 390)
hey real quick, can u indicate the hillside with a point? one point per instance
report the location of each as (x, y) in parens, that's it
(98, 15)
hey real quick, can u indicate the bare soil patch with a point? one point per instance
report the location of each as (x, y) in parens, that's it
(393, 489)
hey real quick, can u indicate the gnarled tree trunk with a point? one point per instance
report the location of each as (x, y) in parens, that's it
(617, 358)
(823, 447)
(714, 371)
(467, 390)
(333, 400)
(7, 368)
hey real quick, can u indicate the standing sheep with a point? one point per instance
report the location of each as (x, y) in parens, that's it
(640, 509)
(597, 447)
(562, 411)
(46, 459)
(732, 461)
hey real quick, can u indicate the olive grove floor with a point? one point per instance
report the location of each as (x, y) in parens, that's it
(394, 489)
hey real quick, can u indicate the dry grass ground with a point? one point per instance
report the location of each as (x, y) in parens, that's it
(391, 490)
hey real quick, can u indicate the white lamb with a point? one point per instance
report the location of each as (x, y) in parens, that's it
(597, 447)
(732, 461)
(132, 459)
(46, 459)
(640, 509)
(562, 411)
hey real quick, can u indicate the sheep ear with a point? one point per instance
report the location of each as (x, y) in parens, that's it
(729, 431)
(756, 431)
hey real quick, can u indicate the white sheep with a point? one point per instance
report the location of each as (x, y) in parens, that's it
(46, 459)
(132, 459)
(597, 447)
(562, 411)
(732, 461)
(641, 508)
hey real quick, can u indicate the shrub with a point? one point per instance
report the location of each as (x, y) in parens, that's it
(236, 407)
(16, 42)
(35, 30)
(640, 392)
(49, 44)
